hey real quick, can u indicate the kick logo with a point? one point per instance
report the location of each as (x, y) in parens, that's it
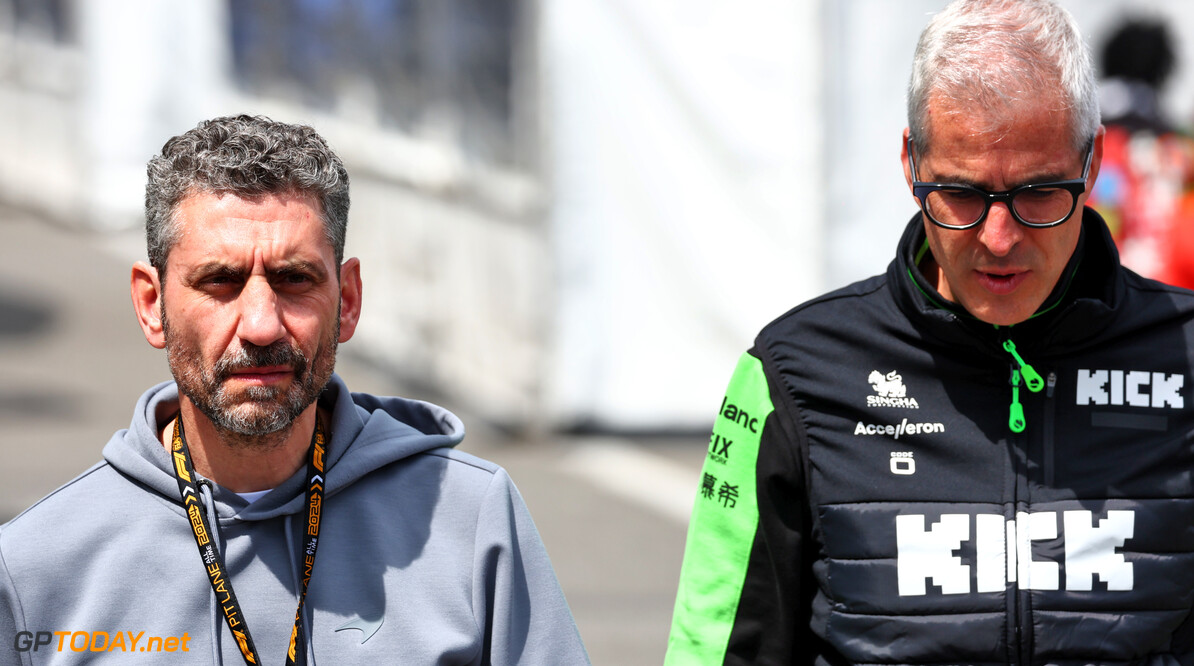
(1003, 552)
(891, 391)
(1133, 388)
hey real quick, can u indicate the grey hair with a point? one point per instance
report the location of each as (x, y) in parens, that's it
(248, 156)
(996, 52)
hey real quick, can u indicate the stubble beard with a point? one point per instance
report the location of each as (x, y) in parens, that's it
(254, 416)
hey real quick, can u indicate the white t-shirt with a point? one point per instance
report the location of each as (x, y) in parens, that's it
(254, 496)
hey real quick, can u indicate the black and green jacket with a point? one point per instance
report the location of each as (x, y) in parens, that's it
(890, 481)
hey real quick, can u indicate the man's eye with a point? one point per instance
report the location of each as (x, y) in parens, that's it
(296, 279)
(1042, 194)
(219, 280)
(959, 196)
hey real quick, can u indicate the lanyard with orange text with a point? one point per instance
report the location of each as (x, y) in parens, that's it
(184, 472)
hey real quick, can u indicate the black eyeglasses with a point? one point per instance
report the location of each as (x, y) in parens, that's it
(1036, 205)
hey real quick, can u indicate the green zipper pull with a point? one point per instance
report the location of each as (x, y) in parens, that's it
(1031, 377)
(1015, 419)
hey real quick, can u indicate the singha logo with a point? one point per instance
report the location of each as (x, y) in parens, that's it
(891, 391)
(890, 385)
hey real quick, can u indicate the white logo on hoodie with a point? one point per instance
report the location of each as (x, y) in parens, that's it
(891, 391)
(1132, 388)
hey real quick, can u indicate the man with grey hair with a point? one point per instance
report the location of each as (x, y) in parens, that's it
(255, 509)
(984, 455)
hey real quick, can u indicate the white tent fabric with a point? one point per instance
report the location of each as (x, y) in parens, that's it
(686, 197)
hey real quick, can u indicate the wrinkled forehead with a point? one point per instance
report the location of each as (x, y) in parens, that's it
(212, 225)
(992, 126)
(199, 197)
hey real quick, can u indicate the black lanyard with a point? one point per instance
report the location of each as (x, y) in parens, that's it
(217, 573)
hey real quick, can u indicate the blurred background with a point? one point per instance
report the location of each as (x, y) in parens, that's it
(572, 216)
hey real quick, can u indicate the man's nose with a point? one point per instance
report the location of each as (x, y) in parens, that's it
(260, 313)
(1000, 232)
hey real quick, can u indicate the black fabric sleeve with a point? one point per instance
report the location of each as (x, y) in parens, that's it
(773, 618)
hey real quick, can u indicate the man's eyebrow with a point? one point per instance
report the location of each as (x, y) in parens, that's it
(213, 269)
(219, 268)
(298, 266)
(1047, 177)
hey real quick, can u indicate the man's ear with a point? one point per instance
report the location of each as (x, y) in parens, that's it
(146, 291)
(904, 158)
(1097, 160)
(350, 298)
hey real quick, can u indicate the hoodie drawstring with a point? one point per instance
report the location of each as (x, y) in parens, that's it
(1032, 379)
(209, 506)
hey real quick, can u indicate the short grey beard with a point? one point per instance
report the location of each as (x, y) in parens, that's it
(247, 422)
(240, 425)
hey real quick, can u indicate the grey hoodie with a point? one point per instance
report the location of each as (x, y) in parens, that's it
(427, 555)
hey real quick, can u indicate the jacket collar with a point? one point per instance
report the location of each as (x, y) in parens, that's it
(1082, 304)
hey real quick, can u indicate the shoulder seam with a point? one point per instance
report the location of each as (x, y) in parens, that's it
(475, 462)
(86, 473)
(787, 411)
(880, 282)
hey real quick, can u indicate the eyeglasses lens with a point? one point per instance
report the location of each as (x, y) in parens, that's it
(955, 208)
(1043, 205)
(961, 207)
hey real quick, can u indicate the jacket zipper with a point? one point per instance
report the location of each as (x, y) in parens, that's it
(1032, 379)
(1015, 418)
(1016, 423)
(1021, 371)
(1047, 465)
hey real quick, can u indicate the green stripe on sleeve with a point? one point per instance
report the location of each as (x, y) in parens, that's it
(725, 517)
